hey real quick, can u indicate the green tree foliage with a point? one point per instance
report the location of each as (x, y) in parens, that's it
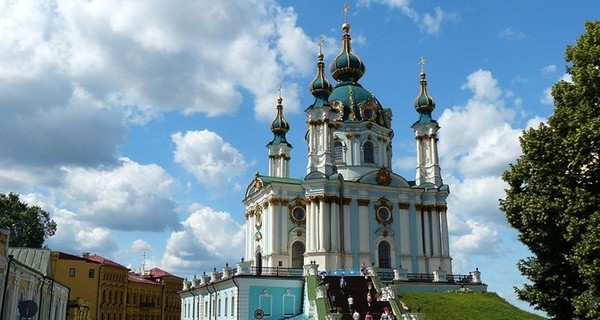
(554, 189)
(29, 225)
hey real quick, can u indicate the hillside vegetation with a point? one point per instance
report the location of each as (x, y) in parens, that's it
(464, 306)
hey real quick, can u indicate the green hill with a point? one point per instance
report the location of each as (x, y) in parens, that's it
(464, 306)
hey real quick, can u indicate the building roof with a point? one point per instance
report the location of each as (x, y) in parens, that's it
(37, 259)
(106, 262)
(157, 273)
(132, 277)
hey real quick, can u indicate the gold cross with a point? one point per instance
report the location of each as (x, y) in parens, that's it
(345, 12)
(320, 43)
(422, 63)
(279, 90)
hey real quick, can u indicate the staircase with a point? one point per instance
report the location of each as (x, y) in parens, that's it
(357, 287)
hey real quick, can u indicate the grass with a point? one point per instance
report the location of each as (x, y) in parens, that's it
(464, 306)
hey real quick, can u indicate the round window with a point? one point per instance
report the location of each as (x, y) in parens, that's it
(384, 214)
(368, 113)
(298, 213)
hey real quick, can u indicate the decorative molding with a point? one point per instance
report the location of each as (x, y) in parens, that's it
(384, 177)
(385, 216)
(404, 205)
(363, 202)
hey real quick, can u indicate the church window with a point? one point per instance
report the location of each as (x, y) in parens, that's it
(298, 254)
(265, 302)
(298, 214)
(288, 304)
(338, 151)
(383, 213)
(384, 255)
(368, 152)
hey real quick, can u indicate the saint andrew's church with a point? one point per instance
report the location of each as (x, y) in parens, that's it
(349, 210)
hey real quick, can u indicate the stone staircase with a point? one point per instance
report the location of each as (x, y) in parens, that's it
(357, 287)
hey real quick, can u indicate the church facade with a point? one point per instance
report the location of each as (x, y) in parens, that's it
(350, 208)
(349, 212)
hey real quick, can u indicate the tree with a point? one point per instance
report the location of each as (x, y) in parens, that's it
(553, 192)
(29, 225)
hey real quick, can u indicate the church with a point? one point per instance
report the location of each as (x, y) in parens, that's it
(350, 215)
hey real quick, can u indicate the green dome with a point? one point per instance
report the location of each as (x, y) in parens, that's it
(279, 126)
(347, 66)
(424, 103)
(320, 87)
(355, 104)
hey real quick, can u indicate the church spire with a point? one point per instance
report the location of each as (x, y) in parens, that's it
(426, 129)
(320, 87)
(279, 147)
(347, 66)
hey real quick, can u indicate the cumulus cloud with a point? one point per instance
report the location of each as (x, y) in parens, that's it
(208, 239)
(127, 197)
(429, 23)
(213, 161)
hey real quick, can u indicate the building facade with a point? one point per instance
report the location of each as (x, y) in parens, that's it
(102, 289)
(29, 289)
(350, 208)
(350, 212)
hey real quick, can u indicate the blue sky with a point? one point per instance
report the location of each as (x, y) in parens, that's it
(138, 125)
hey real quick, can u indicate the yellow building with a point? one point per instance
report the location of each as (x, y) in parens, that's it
(80, 274)
(153, 296)
(102, 289)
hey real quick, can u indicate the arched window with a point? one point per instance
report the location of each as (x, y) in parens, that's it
(368, 152)
(338, 151)
(298, 254)
(384, 254)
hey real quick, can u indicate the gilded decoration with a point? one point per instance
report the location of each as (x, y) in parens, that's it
(258, 213)
(368, 110)
(297, 210)
(403, 205)
(257, 182)
(339, 106)
(346, 201)
(384, 177)
(363, 202)
(383, 211)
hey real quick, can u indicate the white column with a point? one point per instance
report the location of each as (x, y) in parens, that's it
(335, 227)
(419, 232)
(426, 233)
(363, 222)
(273, 212)
(310, 218)
(404, 232)
(322, 234)
(444, 222)
(436, 233)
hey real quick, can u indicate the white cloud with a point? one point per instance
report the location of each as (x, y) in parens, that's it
(429, 23)
(140, 245)
(512, 34)
(128, 197)
(209, 239)
(549, 69)
(213, 161)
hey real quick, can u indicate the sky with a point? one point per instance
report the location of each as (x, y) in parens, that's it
(138, 125)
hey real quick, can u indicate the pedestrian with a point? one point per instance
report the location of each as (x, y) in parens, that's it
(342, 284)
(369, 299)
(356, 315)
(368, 316)
(351, 304)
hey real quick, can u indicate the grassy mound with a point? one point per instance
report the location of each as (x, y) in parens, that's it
(464, 306)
